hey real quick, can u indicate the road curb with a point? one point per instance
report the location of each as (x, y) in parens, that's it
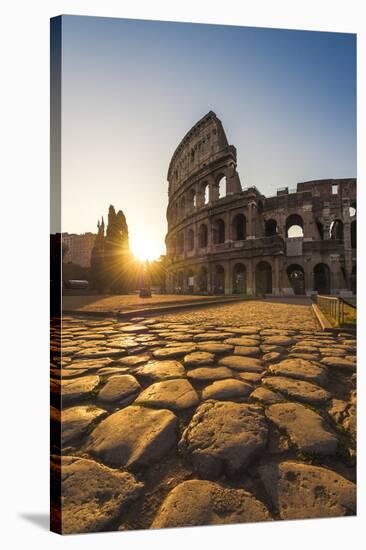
(153, 311)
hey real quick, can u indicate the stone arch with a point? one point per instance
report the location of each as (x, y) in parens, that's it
(202, 236)
(322, 278)
(190, 240)
(239, 279)
(205, 192)
(219, 279)
(336, 230)
(203, 279)
(353, 209)
(294, 226)
(296, 276)
(263, 278)
(270, 227)
(222, 187)
(192, 199)
(239, 226)
(354, 279)
(353, 234)
(320, 228)
(190, 281)
(218, 229)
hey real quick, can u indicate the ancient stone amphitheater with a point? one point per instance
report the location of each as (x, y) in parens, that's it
(223, 239)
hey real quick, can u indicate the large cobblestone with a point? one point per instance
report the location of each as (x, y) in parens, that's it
(258, 357)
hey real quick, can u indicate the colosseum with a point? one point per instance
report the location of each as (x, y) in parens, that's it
(223, 239)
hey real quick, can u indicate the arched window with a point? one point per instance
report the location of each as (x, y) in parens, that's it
(192, 199)
(206, 194)
(353, 234)
(239, 279)
(263, 278)
(294, 226)
(219, 280)
(296, 276)
(322, 279)
(219, 232)
(190, 240)
(239, 227)
(352, 210)
(336, 230)
(203, 279)
(270, 228)
(222, 186)
(202, 236)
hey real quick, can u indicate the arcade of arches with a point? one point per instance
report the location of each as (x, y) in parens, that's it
(223, 239)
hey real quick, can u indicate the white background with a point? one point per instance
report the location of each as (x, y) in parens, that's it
(24, 230)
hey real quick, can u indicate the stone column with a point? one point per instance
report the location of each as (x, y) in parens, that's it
(228, 278)
(276, 276)
(251, 278)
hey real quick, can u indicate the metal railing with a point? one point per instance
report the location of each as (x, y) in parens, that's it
(335, 307)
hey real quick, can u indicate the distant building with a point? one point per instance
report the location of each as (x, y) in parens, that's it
(78, 248)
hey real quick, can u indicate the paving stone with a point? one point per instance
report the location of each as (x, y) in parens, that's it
(252, 377)
(298, 389)
(333, 352)
(272, 349)
(161, 370)
(265, 395)
(305, 356)
(136, 329)
(339, 363)
(171, 353)
(230, 388)
(278, 341)
(133, 360)
(247, 351)
(198, 358)
(202, 337)
(96, 353)
(338, 410)
(170, 394)
(272, 357)
(76, 421)
(210, 373)
(69, 373)
(110, 371)
(93, 495)
(214, 347)
(78, 388)
(305, 349)
(134, 436)
(300, 491)
(200, 502)
(306, 429)
(242, 341)
(224, 436)
(119, 389)
(240, 363)
(300, 368)
(89, 364)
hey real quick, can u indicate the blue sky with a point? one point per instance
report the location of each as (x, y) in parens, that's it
(131, 90)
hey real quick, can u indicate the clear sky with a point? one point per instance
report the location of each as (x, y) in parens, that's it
(132, 89)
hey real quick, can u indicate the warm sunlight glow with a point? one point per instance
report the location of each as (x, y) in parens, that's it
(145, 248)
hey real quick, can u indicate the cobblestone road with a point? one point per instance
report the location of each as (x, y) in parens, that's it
(259, 313)
(199, 418)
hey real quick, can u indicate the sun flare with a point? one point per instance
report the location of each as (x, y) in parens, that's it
(145, 248)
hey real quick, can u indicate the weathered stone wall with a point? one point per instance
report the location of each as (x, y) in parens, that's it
(222, 239)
